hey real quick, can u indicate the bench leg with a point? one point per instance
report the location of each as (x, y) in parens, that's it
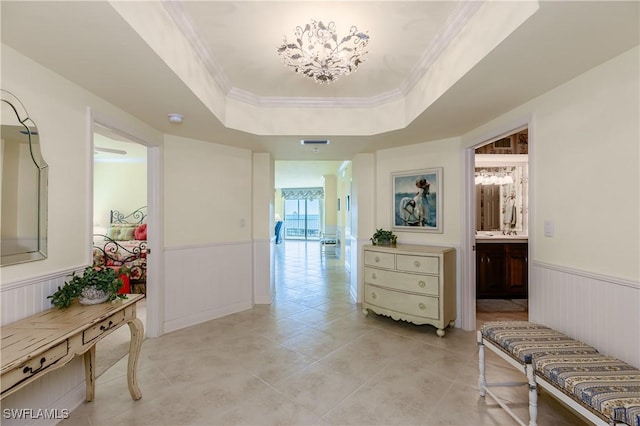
(533, 395)
(482, 381)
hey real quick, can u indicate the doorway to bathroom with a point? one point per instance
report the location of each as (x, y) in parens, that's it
(501, 176)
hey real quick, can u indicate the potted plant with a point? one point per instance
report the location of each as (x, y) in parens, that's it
(95, 285)
(384, 238)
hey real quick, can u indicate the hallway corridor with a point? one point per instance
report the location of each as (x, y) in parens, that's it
(309, 358)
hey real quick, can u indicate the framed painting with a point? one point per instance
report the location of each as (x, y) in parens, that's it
(417, 200)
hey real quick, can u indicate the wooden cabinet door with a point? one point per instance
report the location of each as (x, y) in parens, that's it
(490, 270)
(517, 271)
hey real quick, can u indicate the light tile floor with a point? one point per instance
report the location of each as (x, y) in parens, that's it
(310, 358)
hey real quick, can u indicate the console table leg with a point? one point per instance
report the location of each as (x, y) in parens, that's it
(90, 372)
(137, 333)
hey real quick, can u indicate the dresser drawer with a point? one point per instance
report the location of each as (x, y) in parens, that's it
(422, 264)
(103, 327)
(411, 304)
(34, 366)
(379, 259)
(422, 284)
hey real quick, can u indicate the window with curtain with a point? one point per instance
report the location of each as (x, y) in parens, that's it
(302, 212)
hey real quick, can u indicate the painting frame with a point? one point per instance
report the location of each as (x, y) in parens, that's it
(417, 200)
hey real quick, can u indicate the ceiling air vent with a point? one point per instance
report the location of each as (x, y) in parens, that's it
(314, 142)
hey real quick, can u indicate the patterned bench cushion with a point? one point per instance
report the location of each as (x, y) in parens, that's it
(603, 384)
(606, 386)
(525, 340)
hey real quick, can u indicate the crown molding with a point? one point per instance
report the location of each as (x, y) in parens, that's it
(316, 102)
(455, 23)
(176, 11)
(464, 11)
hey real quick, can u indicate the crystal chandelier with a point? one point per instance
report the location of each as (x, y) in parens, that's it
(318, 54)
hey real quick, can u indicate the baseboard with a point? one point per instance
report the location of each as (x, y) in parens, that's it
(208, 315)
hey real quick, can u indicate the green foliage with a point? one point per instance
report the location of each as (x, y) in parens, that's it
(382, 236)
(105, 279)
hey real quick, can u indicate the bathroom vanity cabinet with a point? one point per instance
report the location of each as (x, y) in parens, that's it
(502, 269)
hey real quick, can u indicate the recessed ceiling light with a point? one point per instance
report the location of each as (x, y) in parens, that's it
(175, 118)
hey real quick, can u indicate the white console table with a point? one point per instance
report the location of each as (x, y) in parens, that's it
(39, 344)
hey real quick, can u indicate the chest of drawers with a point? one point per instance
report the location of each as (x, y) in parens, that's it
(413, 283)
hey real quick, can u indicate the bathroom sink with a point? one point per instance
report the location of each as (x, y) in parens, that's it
(499, 236)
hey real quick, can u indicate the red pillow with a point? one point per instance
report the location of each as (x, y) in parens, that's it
(140, 232)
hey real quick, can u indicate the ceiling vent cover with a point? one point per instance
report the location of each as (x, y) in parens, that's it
(315, 142)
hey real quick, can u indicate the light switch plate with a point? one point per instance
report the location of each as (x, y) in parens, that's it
(548, 228)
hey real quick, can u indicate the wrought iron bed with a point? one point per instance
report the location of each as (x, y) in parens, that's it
(121, 247)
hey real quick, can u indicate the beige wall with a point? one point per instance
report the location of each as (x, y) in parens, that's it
(118, 186)
(330, 224)
(584, 169)
(443, 153)
(207, 193)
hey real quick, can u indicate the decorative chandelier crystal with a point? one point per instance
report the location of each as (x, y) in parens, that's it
(318, 54)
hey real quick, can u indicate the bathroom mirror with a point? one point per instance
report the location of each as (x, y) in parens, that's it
(501, 193)
(23, 226)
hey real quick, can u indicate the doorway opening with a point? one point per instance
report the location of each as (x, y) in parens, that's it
(501, 207)
(120, 213)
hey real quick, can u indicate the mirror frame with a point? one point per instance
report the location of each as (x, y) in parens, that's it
(42, 169)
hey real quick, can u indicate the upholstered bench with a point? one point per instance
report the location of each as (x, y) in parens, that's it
(602, 389)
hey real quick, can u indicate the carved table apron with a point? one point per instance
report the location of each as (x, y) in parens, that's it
(39, 344)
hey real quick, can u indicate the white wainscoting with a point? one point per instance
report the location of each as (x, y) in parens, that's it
(601, 311)
(24, 298)
(206, 282)
(355, 256)
(263, 276)
(60, 389)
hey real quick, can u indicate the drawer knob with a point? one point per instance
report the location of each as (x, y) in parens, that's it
(377, 259)
(422, 284)
(373, 295)
(416, 264)
(422, 306)
(28, 370)
(373, 276)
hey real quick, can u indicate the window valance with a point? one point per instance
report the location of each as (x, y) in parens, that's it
(302, 193)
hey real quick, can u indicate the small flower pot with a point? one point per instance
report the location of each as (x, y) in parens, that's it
(92, 296)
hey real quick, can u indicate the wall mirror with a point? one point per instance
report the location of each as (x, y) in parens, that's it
(23, 208)
(501, 193)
